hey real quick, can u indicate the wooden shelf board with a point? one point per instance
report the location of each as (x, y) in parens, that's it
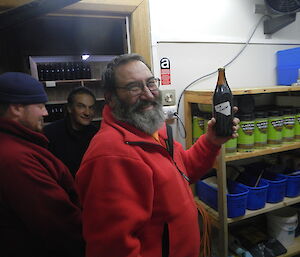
(98, 119)
(74, 80)
(95, 119)
(56, 102)
(259, 152)
(65, 101)
(241, 91)
(269, 207)
(204, 96)
(53, 84)
(293, 249)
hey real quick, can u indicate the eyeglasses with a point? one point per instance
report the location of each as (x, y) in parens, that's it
(137, 88)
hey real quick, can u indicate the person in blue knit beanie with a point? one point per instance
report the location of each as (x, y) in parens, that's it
(40, 212)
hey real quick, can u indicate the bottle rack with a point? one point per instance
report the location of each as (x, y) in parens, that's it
(64, 71)
(60, 74)
(219, 217)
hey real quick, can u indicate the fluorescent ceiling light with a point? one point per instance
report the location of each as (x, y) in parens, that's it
(85, 56)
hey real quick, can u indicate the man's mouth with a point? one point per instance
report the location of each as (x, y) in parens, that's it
(146, 106)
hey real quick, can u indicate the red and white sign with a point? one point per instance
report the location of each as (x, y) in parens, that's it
(165, 71)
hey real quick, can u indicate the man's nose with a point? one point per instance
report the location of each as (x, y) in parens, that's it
(87, 111)
(146, 94)
(45, 112)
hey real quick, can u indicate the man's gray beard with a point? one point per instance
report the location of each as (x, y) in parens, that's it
(147, 121)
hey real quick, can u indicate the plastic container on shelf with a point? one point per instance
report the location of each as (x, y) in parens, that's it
(297, 124)
(282, 224)
(198, 126)
(258, 190)
(207, 116)
(288, 63)
(288, 133)
(275, 124)
(236, 196)
(277, 186)
(245, 140)
(260, 129)
(230, 145)
(292, 184)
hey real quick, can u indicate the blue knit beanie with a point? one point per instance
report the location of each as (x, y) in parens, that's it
(21, 88)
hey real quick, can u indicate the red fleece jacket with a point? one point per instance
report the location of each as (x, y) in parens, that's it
(135, 201)
(40, 214)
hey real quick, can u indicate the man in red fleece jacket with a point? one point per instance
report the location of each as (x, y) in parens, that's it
(40, 214)
(135, 191)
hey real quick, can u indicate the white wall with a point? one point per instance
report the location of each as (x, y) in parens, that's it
(212, 21)
(199, 36)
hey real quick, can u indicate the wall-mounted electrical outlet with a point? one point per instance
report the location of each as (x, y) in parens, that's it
(168, 97)
(169, 111)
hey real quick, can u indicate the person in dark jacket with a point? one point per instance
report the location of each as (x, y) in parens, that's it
(40, 215)
(135, 191)
(70, 137)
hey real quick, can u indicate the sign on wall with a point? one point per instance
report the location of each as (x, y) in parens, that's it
(165, 71)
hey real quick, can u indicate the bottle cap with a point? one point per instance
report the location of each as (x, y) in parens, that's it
(246, 116)
(274, 113)
(261, 114)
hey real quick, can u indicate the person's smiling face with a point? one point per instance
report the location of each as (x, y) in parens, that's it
(81, 111)
(32, 116)
(142, 110)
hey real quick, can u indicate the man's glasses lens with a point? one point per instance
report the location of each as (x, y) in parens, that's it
(138, 88)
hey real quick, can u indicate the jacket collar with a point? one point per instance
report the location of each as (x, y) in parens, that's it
(78, 134)
(16, 129)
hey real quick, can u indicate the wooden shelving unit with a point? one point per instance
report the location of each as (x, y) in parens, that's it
(65, 101)
(219, 217)
(269, 207)
(259, 152)
(293, 249)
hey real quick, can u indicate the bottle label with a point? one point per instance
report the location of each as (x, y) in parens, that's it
(198, 127)
(247, 127)
(289, 122)
(223, 108)
(262, 126)
(277, 124)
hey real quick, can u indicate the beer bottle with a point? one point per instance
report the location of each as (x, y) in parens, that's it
(222, 106)
(41, 72)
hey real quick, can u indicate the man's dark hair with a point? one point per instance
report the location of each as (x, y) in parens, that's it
(109, 76)
(77, 91)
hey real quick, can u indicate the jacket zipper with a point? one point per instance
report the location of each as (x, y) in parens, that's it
(157, 145)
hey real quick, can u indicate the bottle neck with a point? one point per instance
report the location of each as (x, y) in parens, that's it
(221, 77)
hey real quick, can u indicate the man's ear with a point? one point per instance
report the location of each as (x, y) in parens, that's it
(68, 108)
(108, 99)
(15, 111)
(16, 108)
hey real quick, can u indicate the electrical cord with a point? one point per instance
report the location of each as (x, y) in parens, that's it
(181, 122)
(209, 74)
